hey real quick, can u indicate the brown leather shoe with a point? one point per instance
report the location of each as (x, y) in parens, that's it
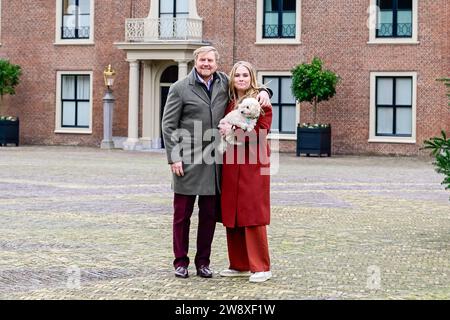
(204, 272)
(181, 272)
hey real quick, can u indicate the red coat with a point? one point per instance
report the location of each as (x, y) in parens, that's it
(246, 183)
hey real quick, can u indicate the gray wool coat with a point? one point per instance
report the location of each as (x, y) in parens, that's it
(189, 115)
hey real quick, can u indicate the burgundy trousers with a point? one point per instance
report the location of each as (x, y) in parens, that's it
(183, 208)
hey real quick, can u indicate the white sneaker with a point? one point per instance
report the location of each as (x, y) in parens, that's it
(234, 273)
(260, 276)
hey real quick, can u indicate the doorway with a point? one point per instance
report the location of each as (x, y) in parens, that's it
(169, 76)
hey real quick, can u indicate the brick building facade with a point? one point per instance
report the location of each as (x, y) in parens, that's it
(388, 100)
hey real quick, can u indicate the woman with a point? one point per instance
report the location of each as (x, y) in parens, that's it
(246, 185)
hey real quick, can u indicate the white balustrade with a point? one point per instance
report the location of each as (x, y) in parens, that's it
(148, 29)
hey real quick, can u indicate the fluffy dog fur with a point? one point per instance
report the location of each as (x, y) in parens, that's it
(245, 117)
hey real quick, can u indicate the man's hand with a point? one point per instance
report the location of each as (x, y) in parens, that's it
(177, 168)
(263, 98)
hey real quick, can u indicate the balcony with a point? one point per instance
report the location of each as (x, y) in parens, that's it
(163, 29)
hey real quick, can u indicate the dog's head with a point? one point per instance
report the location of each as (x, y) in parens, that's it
(250, 108)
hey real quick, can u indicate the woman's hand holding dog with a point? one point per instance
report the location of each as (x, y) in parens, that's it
(225, 128)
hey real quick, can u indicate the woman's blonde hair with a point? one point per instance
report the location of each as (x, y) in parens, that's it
(252, 91)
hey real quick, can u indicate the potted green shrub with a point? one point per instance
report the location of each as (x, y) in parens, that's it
(440, 148)
(311, 83)
(9, 79)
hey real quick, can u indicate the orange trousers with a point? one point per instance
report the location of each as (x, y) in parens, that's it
(248, 249)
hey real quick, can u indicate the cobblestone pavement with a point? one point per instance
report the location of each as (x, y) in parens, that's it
(84, 223)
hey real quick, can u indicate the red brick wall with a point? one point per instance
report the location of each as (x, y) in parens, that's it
(28, 40)
(336, 32)
(333, 30)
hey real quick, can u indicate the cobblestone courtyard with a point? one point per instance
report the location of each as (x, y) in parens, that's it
(84, 223)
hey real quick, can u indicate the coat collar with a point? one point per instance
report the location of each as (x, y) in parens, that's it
(199, 91)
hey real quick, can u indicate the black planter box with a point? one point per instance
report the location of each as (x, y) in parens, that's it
(9, 132)
(314, 141)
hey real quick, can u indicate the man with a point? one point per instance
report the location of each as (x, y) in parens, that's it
(194, 107)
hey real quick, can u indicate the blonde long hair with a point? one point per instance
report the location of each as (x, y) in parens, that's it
(252, 91)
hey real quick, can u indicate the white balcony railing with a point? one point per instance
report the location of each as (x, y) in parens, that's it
(148, 29)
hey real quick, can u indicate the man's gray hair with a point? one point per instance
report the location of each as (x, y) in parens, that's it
(206, 49)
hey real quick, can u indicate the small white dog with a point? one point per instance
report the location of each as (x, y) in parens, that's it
(245, 117)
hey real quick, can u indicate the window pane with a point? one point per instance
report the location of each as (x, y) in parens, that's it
(275, 119)
(404, 121)
(385, 4)
(385, 23)
(68, 87)
(403, 95)
(84, 6)
(289, 18)
(69, 21)
(405, 4)
(84, 21)
(182, 6)
(386, 16)
(68, 113)
(289, 5)
(385, 117)
(271, 5)
(271, 18)
(404, 16)
(271, 25)
(166, 6)
(288, 25)
(404, 23)
(83, 88)
(286, 91)
(272, 83)
(288, 119)
(69, 7)
(384, 91)
(83, 114)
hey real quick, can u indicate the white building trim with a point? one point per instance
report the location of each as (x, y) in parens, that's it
(58, 105)
(58, 36)
(259, 25)
(372, 128)
(372, 24)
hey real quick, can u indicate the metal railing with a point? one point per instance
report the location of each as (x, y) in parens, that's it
(149, 29)
(279, 31)
(75, 33)
(387, 30)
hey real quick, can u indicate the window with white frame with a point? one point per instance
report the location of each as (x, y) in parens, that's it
(173, 15)
(74, 21)
(278, 21)
(284, 113)
(393, 21)
(393, 107)
(74, 104)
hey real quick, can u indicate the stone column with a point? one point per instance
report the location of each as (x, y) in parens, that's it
(148, 112)
(108, 107)
(133, 108)
(182, 68)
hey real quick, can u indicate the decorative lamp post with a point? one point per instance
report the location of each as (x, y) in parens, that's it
(108, 105)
